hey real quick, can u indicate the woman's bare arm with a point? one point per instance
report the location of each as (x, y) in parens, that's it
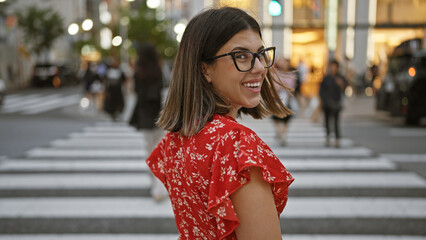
(255, 208)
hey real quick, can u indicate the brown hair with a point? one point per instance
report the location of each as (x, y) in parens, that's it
(192, 100)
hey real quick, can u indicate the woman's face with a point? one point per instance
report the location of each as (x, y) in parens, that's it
(241, 88)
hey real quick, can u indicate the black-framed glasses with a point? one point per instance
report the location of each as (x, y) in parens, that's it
(244, 60)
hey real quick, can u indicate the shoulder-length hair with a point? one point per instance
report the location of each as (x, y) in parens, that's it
(192, 100)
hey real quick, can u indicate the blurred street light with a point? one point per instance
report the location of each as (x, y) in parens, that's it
(73, 28)
(87, 25)
(104, 15)
(153, 4)
(2, 1)
(349, 91)
(84, 103)
(116, 41)
(179, 28)
(179, 37)
(106, 36)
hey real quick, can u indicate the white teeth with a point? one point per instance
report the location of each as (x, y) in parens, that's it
(252, 85)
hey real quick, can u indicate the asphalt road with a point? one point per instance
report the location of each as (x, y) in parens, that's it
(20, 133)
(385, 135)
(379, 131)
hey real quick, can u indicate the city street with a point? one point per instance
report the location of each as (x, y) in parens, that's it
(72, 72)
(69, 173)
(33, 117)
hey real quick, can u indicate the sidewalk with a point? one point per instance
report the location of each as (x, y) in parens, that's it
(359, 106)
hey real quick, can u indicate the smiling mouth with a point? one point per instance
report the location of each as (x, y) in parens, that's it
(252, 85)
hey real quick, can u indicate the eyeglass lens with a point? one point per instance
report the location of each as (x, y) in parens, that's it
(245, 60)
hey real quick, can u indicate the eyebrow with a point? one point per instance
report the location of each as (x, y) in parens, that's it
(246, 49)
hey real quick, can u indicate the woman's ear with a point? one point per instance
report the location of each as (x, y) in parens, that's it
(206, 72)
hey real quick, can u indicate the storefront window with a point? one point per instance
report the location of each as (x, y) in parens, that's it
(397, 21)
(249, 5)
(308, 12)
(401, 11)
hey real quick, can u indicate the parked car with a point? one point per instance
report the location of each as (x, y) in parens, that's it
(416, 106)
(398, 66)
(47, 74)
(402, 91)
(2, 91)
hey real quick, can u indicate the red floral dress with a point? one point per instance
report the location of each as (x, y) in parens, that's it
(200, 172)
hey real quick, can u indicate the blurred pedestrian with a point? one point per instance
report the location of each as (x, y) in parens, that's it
(303, 79)
(89, 77)
(148, 85)
(221, 177)
(93, 85)
(331, 93)
(114, 99)
(289, 78)
(315, 103)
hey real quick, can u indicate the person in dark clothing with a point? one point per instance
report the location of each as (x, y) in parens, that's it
(148, 87)
(331, 91)
(114, 99)
(89, 77)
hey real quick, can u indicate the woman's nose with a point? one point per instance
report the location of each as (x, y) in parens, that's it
(258, 66)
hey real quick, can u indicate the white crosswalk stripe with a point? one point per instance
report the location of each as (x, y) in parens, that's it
(134, 207)
(84, 153)
(126, 165)
(142, 180)
(96, 181)
(174, 237)
(38, 103)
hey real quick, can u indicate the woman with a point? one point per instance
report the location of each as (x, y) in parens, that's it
(148, 87)
(223, 181)
(331, 91)
(114, 99)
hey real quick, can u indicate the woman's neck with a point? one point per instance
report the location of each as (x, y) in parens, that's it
(233, 113)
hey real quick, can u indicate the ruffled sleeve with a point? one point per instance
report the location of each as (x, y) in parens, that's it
(236, 151)
(156, 161)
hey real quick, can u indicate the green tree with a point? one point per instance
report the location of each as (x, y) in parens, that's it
(145, 27)
(3, 8)
(41, 27)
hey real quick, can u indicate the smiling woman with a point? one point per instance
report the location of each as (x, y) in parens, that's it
(224, 182)
(193, 97)
(240, 84)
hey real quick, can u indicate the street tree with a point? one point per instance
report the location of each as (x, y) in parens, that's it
(40, 27)
(144, 26)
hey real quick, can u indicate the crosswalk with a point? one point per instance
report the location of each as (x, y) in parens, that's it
(30, 104)
(94, 184)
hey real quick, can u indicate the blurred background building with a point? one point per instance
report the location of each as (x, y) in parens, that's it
(358, 33)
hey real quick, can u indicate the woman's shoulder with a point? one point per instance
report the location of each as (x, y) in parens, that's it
(225, 130)
(225, 124)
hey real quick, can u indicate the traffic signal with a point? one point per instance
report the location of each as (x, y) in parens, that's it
(274, 8)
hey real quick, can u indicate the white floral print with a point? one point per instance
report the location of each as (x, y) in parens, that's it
(202, 171)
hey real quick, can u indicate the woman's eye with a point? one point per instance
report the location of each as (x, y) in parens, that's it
(242, 56)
